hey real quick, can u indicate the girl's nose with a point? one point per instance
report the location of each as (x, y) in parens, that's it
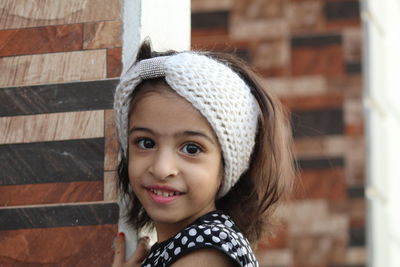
(164, 165)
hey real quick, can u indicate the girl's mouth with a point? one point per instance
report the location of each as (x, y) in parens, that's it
(163, 195)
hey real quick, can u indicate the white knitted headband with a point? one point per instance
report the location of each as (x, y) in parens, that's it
(217, 92)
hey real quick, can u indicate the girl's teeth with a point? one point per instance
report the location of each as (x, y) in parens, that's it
(164, 194)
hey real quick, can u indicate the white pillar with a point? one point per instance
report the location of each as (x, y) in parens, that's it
(167, 23)
(382, 103)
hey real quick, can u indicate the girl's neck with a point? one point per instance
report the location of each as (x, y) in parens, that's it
(167, 230)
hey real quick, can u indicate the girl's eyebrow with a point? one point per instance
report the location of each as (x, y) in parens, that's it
(142, 129)
(196, 133)
(184, 133)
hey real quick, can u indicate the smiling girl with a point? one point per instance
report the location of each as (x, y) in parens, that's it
(205, 158)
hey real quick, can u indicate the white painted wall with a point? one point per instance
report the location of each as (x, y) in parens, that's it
(382, 105)
(167, 23)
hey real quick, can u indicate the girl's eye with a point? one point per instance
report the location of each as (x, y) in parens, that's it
(191, 149)
(145, 143)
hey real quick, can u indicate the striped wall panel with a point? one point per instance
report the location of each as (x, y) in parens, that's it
(54, 98)
(58, 246)
(52, 162)
(53, 143)
(58, 216)
(57, 188)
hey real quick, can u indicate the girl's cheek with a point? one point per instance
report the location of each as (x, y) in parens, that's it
(131, 172)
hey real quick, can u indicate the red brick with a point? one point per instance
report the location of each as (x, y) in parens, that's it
(40, 40)
(327, 60)
(321, 184)
(30, 194)
(305, 16)
(354, 130)
(114, 62)
(355, 209)
(357, 212)
(271, 54)
(209, 39)
(259, 9)
(302, 103)
(278, 240)
(318, 250)
(349, 86)
(64, 246)
(273, 72)
(342, 23)
(337, 21)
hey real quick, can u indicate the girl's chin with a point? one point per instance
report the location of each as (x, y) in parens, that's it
(164, 218)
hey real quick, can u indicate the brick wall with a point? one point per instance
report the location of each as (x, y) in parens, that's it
(58, 63)
(309, 53)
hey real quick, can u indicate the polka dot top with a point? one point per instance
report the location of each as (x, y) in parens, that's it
(212, 230)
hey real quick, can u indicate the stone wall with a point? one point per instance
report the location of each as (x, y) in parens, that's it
(58, 60)
(309, 53)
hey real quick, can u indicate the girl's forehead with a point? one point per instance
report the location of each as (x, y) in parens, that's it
(164, 99)
(151, 95)
(167, 114)
(155, 85)
(165, 104)
(148, 88)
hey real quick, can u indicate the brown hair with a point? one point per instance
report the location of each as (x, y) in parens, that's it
(271, 170)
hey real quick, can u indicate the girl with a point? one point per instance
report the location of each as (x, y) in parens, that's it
(205, 157)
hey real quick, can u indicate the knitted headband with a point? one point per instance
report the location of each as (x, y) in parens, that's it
(217, 92)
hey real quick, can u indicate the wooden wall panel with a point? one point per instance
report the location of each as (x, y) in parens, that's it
(35, 194)
(58, 246)
(57, 203)
(52, 127)
(38, 40)
(53, 68)
(25, 14)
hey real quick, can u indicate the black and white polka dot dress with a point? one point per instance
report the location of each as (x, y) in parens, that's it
(212, 230)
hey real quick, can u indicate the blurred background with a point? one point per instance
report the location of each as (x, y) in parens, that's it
(59, 64)
(310, 54)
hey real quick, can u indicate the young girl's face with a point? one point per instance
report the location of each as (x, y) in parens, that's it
(175, 164)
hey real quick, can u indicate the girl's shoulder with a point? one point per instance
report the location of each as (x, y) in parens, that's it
(214, 230)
